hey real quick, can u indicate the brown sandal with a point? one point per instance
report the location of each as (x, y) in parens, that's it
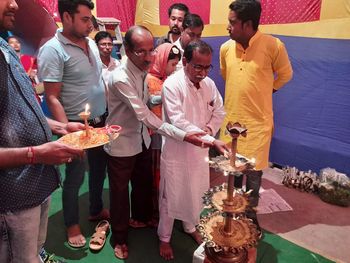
(121, 251)
(138, 224)
(98, 239)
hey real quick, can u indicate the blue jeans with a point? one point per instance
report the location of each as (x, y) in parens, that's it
(97, 158)
(23, 234)
(75, 171)
(70, 194)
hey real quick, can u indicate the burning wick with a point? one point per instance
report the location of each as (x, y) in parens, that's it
(85, 115)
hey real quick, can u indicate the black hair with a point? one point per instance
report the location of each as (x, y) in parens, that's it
(12, 36)
(174, 53)
(71, 6)
(94, 22)
(191, 21)
(102, 34)
(198, 45)
(128, 42)
(178, 6)
(247, 10)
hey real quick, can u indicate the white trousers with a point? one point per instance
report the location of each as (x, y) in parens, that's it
(166, 223)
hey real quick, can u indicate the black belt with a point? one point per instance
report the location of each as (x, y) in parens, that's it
(99, 120)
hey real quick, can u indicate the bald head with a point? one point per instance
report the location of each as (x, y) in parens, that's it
(136, 34)
(139, 46)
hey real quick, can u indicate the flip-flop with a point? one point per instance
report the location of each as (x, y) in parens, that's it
(98, 239)
(74, 233)
(121, 251)
(73, 245)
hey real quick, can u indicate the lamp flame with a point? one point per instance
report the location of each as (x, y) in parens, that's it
(87, 107)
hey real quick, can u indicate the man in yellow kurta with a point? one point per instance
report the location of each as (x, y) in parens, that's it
(254, 65)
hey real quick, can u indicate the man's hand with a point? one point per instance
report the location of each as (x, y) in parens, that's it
(221, 147)
(54, 153)
(195, 139)
(73, 127)
(208, 131)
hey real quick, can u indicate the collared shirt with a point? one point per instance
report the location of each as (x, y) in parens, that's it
(179, 65)
(106, 73)
(22, 124)
(164, 39)
(107, 70)
(190, 108)
(61, 60)
(251, 75)
(128, 96)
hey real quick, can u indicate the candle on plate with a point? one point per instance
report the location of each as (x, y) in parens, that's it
(85, 115)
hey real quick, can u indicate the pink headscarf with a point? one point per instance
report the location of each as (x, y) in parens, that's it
(161, 60)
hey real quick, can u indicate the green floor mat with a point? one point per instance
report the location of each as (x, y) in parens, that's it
(143, 243)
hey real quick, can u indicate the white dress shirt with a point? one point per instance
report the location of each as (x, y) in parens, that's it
(184, 169)
(179, 65)
(128, 96)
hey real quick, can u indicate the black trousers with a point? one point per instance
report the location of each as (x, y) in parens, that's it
(138, 170)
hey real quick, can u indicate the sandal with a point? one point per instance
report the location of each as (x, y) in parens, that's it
(137, 224)
(121, 251)
(98, 239)
(75, 237)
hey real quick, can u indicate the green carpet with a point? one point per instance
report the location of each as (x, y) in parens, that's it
(143, 243)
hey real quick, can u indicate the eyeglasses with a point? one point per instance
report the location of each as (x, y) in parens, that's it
(143, 53)
(106, 44)
(199, 68)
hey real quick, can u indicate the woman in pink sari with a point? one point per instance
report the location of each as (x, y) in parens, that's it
(165, 62)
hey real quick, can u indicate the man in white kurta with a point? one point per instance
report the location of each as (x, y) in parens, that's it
(191, 102)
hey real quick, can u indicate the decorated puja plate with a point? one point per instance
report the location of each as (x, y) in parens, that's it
(94, 138)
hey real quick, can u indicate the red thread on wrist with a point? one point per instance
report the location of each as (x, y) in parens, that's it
(30, 155)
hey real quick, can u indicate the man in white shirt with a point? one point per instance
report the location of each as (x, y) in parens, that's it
(104, 42)
(192, 30)
(130, 155)
(192, 103)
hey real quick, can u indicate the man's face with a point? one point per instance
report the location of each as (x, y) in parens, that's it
(199, 66)
(8, 8)
(190, 34)
(142, 54)
(235, 26)
(105, 46)
(14, 43)
(80, 24)
(175, 21)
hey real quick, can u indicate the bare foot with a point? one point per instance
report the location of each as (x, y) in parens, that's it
(121, 251)
(103, 215)
(252, 253)
(166, 251)
(197, 237)
(75, 237)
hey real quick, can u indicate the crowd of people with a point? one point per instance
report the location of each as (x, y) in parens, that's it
(169, 109)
